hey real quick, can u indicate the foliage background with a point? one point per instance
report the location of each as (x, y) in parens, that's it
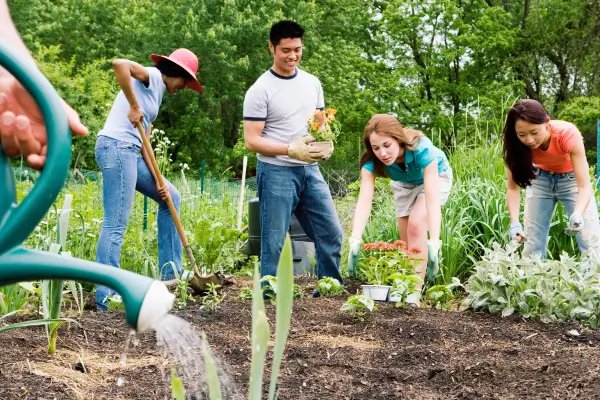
(449, 67)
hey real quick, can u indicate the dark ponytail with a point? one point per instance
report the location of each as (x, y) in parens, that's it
(517, 156)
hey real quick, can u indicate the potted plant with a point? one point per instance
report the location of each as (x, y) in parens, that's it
(387, 264)
(402, 286)
(323, 126)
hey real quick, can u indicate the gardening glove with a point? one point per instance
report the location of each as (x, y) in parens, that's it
(353, 255)
(516, 229)
(300, 150)
(575, 224)
(434, 248)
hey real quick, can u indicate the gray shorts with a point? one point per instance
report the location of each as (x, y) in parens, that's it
(406, 194)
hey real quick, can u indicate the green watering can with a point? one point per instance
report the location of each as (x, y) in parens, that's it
(146, 300)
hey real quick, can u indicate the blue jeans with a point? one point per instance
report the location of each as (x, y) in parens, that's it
(123, 172)
(540, 202)
(302, 191)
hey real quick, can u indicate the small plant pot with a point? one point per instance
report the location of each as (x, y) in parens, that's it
(326, 147)
(393, 298)
(366, 290)
(376, 292)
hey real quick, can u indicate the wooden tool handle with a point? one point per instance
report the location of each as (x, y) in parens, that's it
(161, 183)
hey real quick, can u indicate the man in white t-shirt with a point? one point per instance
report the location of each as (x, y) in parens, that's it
(276, 109)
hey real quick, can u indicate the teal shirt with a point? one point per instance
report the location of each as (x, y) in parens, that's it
(415, 162)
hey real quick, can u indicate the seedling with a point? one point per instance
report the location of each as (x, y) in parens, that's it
(330, 287)
(357, 306)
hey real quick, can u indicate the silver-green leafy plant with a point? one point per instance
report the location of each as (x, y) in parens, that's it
(549, 290)
(330, 287)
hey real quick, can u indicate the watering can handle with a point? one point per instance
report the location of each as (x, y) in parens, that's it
(18, 221)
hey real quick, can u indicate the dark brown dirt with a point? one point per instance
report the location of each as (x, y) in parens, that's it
(393, 354)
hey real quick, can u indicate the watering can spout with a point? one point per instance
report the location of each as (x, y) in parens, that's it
(146, 300)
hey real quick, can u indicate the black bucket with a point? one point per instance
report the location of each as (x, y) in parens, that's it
(302, 245)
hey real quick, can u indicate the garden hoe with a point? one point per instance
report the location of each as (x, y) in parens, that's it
(198, 283)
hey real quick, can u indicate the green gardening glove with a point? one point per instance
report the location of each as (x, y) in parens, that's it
(434, 249)
(353, 255)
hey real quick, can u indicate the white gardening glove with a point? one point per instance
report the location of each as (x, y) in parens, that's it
(300, 150)
(516, 231)
(353, 254)
(575, 224)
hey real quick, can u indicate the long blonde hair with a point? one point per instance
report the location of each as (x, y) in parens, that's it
(384, 124)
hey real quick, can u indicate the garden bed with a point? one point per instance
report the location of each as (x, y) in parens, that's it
(394, 353)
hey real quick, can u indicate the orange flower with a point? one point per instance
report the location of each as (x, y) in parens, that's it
(414, 250)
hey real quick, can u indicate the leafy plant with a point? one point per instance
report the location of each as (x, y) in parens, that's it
(215, 243)
(403, 284)
(181, 291)
(330, 287)
(381, 260)
(212, 299)
(549, 290)
(245, 293)
(271, 289)
(357, 306)
(440, 296)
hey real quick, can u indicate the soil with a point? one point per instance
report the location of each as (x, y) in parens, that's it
(393, 354)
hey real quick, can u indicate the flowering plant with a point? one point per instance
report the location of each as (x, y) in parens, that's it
(381, 261)
(323, 126)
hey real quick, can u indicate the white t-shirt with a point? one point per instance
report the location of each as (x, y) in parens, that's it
(118, 126)
(285, 103)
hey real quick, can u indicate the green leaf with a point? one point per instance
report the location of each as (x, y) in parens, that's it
(260, 339)
(37, 322)
(508, 311)
(285, 282)
(177, 389)
(212, 376)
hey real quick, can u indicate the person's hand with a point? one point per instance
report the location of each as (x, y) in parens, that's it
(575, 224)
(354, 244)
(516, 231)
(22, 129)
(135, 115)
(300, 150)
(434, 248)
(163, 192)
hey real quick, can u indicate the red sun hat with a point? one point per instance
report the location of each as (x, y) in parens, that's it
(186, 60)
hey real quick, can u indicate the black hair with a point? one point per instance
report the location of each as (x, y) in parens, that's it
(517, 156)
(172, 70)
(285, 29)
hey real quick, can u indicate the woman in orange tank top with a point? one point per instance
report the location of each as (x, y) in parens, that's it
(547, 158)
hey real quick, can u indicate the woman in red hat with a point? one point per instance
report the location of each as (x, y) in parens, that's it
(118, 150)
